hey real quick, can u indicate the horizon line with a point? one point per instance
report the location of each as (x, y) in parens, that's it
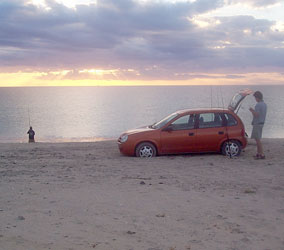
(142, 85)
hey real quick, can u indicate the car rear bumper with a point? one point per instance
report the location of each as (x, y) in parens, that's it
(243, 142)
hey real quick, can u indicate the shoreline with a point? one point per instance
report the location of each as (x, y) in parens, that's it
(65, 140)
(86, 195)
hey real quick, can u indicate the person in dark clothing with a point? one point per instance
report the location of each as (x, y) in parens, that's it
(31, 135)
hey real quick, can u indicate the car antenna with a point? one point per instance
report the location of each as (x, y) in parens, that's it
(29, 116)
(228, 139)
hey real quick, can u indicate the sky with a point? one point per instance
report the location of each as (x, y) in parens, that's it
(141, 42)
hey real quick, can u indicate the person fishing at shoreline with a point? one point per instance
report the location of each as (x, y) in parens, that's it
(259, 115)
(31, 133)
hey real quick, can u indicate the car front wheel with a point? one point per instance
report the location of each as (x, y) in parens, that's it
(146, 150)
(231, 148)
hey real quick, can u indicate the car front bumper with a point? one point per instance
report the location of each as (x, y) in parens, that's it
(125, 149)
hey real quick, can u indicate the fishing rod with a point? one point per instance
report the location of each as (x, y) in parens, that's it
(226, 127)
(29, 117)
(211, 94)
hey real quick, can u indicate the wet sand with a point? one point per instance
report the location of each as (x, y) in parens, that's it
(87, 196)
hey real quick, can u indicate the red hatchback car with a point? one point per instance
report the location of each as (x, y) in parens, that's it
(190, 131)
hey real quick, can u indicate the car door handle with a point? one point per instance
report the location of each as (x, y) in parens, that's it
(190, 134)
(221, 132)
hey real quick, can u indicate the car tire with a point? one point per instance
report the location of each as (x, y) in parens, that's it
(146, 150)
(231, 148)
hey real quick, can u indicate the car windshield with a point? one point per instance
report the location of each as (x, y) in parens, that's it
(163, 122)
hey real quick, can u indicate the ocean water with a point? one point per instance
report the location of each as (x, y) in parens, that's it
(93, 113)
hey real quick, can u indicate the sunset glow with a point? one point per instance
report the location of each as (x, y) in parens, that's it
(59, 79)
(135, 42)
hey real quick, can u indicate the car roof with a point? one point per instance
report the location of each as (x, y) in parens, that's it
(198, 110)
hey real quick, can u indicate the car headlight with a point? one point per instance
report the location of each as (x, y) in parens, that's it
(123, 138)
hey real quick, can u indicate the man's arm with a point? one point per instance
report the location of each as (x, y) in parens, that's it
(254, 112)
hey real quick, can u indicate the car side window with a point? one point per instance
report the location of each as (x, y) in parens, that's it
(231, 120)
(183, 123)
(210, 120)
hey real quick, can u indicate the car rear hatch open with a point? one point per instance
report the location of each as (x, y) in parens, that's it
(238, 98)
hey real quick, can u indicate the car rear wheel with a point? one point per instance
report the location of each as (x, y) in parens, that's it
(146, 150)
(231, 148)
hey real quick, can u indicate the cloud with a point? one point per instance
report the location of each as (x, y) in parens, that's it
(256, 3)
(202, 6)
(154, 39)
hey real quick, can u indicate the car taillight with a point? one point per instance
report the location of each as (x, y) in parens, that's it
(243, 132)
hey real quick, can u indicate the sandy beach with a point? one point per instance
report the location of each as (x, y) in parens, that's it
(87, 196)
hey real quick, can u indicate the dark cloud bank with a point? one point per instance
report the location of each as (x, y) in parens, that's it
(157, 39)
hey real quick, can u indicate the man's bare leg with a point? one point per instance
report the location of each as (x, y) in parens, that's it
(259, 147)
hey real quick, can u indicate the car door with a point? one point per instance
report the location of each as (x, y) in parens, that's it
(210, 132)
(179, 136)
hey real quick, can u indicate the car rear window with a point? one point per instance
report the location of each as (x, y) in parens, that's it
(231, 120)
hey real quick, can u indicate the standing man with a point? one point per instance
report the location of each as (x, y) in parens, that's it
(31, 135)
(259, 114)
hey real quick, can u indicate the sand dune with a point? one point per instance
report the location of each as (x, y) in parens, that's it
(87, 196)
